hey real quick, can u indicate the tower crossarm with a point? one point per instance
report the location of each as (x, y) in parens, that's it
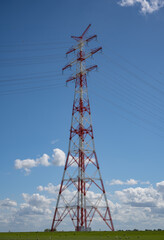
(82, 58)
(84, 72)
(91, 38)
(73, 49)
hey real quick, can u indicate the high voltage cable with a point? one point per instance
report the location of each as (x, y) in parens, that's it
(142, 118)
(134, 84)
(128, 92)
(135, 75)
(31, 81)
(28, 76)
(31, 49)
(145, 91)
(135, 66)
(44, 61)
(133, 104)
(126, 118)
(29, 58)
(33, 44)
(50, 59)
(126, 95)
(32, 89)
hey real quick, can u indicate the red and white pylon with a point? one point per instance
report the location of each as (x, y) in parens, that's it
(82, 194)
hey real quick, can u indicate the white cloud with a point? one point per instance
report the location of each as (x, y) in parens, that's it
(160, 187)
(131, 182)
(130, 208)
(50, 188)
(40, 188)
(36, 200)
(145, 183)
(26, 209)
(44, 160)
(139, 197)
(147, 6)
(7, 203)
(127, 182)
(116, 182)
(135, 207)
(58, 157)
(25, 164)
(34, 214)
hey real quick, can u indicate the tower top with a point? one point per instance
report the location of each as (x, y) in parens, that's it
(82, 36)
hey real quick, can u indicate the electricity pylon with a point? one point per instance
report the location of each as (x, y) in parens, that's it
(82, 194)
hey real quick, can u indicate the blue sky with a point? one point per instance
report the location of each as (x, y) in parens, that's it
(126, 97)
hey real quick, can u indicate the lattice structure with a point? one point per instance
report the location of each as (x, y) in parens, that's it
(82, 194)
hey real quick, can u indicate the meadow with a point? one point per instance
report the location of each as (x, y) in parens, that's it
(118, 235)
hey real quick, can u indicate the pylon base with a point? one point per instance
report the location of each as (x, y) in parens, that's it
(83, 229)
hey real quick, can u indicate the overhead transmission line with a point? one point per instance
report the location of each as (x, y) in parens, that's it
(142, 94)
(31, 89)
(135, 66)
(154, 87)
(126, 114)
(132, 96)
(134, 106)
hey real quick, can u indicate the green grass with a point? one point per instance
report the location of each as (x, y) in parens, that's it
(127, 235)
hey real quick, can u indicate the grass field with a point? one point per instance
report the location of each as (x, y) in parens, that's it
(128, 235)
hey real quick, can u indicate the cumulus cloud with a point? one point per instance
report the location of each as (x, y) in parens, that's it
(58, 157)
(147, 6)
(116, 182)
(127, 182)
(26, 209)
(145, 183)
(131, 207)
(136, 206)
(160, 188)
(7, 203)
(140, 197)
(44, 160)
(50, 188)
(36, 200)
(33, 206)
(27, 164)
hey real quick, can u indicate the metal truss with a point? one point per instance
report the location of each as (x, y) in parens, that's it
(82, 193)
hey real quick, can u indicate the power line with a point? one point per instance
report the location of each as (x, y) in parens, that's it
(127, 92)
(135, 75)
(135, 66)
(31, 89)
(126, 112)
(134, 113)
(32, 81)
(23, 44)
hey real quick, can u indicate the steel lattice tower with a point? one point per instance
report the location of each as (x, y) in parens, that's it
(82, 194)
